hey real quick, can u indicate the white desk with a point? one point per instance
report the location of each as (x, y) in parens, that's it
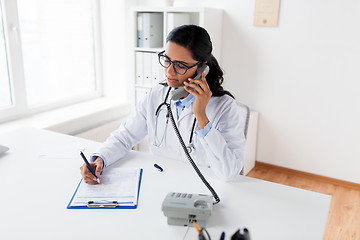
(36, 189)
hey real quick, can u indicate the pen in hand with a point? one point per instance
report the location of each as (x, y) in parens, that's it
(89, 167)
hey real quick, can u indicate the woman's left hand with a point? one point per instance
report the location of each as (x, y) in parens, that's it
(202, 95)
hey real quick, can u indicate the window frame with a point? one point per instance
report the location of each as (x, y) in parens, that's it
(19, 107)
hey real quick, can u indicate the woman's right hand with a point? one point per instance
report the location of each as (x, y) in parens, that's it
(97, 166)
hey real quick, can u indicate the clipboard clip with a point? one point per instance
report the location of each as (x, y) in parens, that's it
(102, 204)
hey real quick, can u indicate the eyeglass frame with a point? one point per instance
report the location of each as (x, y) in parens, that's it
(161, 54)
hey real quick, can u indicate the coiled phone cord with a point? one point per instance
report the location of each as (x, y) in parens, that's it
(197, 170)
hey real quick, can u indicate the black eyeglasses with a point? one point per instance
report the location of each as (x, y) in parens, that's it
(179, 67)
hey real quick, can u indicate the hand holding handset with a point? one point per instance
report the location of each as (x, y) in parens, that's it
(180, 92)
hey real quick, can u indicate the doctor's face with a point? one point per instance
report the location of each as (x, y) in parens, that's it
(183, 57)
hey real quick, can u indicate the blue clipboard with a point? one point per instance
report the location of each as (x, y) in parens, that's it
(107, 204)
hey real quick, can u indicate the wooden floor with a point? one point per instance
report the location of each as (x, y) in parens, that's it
(343, 221)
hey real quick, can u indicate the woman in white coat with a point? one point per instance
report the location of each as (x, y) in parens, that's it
(207, 116)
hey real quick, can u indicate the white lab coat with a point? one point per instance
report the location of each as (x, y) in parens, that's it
(222, 149)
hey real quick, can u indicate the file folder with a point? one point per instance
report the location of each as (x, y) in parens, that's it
(147, 67)
(150, 30)
(119, 189)
(139, 59)
(140, 33)
(158, 74)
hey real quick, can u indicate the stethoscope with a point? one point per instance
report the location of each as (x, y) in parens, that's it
(158, 143)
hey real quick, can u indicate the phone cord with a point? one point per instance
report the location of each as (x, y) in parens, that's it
(193, 164)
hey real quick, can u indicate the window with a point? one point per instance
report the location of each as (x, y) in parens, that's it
(5, 93)
(52, 47)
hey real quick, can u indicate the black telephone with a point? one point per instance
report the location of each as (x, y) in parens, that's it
(180, 92)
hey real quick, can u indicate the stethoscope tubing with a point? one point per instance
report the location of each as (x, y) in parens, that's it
(190, 147)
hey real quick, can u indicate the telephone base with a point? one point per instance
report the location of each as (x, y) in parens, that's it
(183, 208)
(185, 222)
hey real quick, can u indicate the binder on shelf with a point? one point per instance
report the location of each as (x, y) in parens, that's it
(139, 68)
(151, 35)
(147, 69)
(158, 74)
(140, 36)
(119, 188)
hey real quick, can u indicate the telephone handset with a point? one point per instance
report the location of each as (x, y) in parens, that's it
(180, 92)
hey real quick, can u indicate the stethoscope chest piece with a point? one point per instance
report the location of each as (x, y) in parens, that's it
(190, 148)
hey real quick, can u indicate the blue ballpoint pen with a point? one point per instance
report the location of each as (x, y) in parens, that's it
(89, 167)
(158, 167)
(222, 236)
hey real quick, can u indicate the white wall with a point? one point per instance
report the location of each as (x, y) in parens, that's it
(304, 79)
(116, 48)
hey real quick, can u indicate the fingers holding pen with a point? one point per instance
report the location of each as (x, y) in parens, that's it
(91, 168)
(87, 175)
(99, 165)
(90, 180)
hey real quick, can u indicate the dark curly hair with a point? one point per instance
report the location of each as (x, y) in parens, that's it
(197, 40)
